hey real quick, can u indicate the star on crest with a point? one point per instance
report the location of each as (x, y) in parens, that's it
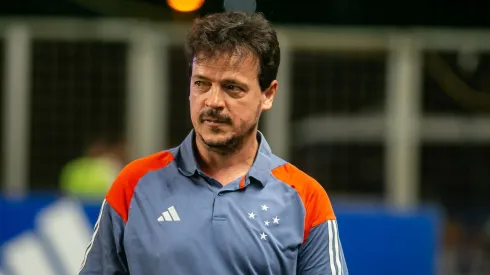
(269, 222)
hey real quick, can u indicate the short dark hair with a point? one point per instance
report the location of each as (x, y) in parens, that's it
(228, 32)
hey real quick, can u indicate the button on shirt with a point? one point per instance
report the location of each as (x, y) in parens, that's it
(162, 215)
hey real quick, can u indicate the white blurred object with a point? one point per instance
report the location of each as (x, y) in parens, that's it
(55, 246)
(67, 229)
(240, 5)
(16, 111)
(27, 256)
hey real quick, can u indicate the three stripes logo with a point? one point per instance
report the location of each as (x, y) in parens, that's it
(169, 216)
(54, 247)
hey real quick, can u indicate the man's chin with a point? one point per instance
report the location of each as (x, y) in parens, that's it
(220, 141)
(214, 141)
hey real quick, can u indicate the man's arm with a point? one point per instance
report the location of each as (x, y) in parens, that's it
(105, 252)
(321, 253)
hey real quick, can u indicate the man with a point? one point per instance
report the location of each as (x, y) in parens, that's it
(221, 202)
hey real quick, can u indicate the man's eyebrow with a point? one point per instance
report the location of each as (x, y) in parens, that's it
(234, 81)
(226, 80)
(198, 76)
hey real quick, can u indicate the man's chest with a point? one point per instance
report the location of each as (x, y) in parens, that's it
(247, 231)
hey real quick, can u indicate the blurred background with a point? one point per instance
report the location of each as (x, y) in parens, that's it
(384, 103)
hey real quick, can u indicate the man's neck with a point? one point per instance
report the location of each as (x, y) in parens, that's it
(227, 167)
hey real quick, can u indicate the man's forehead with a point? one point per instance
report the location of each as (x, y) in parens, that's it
(236, 61)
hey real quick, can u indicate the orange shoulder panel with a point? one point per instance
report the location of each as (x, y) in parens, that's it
(314, 197)
(121, 191)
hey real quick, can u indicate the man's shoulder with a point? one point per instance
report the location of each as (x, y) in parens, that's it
(137, 168)
(122, 189)
(291, 175)
(314, 196)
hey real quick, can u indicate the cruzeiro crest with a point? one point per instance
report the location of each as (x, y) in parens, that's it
(265, 219)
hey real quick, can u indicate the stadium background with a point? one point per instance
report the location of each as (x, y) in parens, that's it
(386, 109)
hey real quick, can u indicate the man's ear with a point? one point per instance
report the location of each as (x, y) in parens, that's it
(268, 95)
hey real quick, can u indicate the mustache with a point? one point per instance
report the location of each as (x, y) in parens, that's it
(215, 115)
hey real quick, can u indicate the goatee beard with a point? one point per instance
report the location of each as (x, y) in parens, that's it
(230, 145)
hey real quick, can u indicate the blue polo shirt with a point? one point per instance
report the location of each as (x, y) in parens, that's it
(163, 215)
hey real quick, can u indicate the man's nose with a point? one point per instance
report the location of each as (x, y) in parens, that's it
(215, 99)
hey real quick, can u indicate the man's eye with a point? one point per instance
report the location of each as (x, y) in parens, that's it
(232, 87)
(198, 83)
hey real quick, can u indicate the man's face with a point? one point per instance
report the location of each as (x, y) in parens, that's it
(226, 100)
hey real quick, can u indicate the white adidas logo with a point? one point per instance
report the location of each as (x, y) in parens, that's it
(169, 216)
(56, 246)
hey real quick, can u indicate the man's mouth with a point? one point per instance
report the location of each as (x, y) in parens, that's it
(213, 120)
